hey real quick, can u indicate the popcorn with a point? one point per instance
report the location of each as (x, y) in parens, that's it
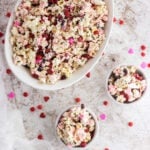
(126, 84)
(76, 126)
(44, 31)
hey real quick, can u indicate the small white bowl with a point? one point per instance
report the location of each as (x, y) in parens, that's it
(95, 132)
(112, 98)
(23, 74)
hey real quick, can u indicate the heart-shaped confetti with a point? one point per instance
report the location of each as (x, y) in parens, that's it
(102, 116)
(131, 51)
(11, 95)
(143, 65)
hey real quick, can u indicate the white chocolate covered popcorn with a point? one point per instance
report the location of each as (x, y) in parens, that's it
(53, 38)
(126, 84)
(76, 127)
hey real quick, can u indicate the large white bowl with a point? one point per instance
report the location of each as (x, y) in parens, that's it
(23, 74)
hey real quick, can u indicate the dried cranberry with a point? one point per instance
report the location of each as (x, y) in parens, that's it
(27, 46)
(126, 96)
(47, 50)
(86, 130)
(87, 56)
(60, 17)
(80, 39)
(50, 71)
(67, 13)
(39, 57)
(40, 48)
(55, 22)
(46, 35)
(50, 17)
(35, 76)
(83, 144)
(31, 35)
(138, 77)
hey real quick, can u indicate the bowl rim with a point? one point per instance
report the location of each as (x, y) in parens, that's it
(75, 77)
(96, 126)
(113, 99)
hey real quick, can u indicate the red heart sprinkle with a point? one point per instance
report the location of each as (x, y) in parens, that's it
(121, 22)
(8, 14)
(32, 109)
(39, 106)
(40, 137)
(46, 98)
(42, 115)
(148, 65)
(77, 100)
(105, 103)
(143, 47)
(130, 124)
(25, 94)
(8, 71)
(88, 75)
(114, 19)
(143, 54)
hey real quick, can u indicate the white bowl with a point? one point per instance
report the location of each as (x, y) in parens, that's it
(112, 98)
(95, 133)
(23, 74)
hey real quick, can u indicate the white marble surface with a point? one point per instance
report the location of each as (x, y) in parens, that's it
(19, 127)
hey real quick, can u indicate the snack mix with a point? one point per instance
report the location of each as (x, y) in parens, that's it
(53, 38)
(126, 84)
(76, 127)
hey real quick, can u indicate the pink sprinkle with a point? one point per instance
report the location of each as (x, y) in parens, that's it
(39, 40)
(81, 116)
(71, 40)
(143, 65)
(131, 51)
(16, 23)
(102, 116)
(38, 61)
(11, 95)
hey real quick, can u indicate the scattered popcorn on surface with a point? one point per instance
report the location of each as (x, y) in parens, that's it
(53, 38)
(76, 126)
(126, 84)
